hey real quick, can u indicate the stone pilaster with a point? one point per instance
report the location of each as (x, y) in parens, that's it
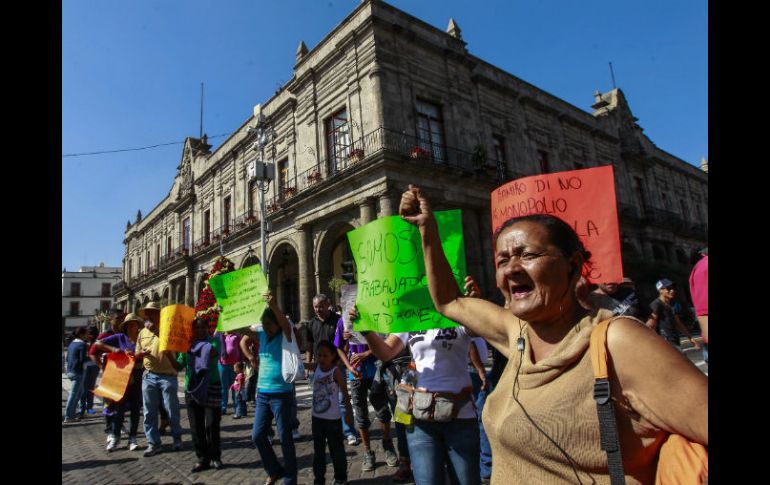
(367, 210)
(306, 273)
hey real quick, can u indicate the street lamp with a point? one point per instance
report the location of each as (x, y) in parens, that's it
(263, 172)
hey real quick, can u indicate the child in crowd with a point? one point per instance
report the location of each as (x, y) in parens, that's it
(327, 423)
(239, 386)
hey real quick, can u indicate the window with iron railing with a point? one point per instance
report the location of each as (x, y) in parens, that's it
(337, 131)
(226, 210)
(186, 234)
(106, 289)
(74, 308)
(430, 130)
(206, 226)
(74, 289)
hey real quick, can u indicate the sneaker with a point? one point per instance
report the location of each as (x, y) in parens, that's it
(296, 434)
(237, 417)
(391, 458)
(177, 444)
(368, 462)
(112, 442)
(217, 464)
(69, 421)
(352, 440)
(132, 444)
(151, 450)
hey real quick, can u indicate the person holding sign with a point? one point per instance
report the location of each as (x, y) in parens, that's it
(125, 341)
(274, 397)
(542, 419)
(445, 434)
(159, 385)
(203, 395)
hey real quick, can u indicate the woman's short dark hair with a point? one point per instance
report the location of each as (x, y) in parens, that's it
(330, 346)
(79, 331)
(269, 316)
(560, 233)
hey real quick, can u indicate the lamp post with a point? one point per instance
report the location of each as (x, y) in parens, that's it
(264, 173)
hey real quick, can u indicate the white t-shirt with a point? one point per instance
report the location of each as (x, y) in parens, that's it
(441, 358)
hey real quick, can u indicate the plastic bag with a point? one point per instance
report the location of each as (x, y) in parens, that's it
(292, 367)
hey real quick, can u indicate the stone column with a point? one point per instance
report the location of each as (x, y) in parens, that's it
(189, 297)
(306, 273)
(367, 210)
(172, 293)
(388, 205)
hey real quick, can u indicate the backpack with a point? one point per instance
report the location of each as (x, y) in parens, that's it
(680, 461)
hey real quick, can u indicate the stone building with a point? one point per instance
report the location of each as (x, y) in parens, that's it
(382, 101)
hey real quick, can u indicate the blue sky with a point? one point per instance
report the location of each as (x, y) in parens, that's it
(131, 74)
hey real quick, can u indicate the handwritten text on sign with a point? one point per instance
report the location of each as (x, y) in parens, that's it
(175, 331)
(584, 199)
(239, 293)
(392, 293)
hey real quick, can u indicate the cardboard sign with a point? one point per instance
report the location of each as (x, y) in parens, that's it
(175, 330)
(392, 288)
(584, 199)
(117, 373)
(239, 293)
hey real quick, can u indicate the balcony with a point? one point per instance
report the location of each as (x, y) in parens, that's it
(347, 158)
(75, 313)
(118, 287)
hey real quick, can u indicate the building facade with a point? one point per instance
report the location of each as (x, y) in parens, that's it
(85, 293)
(382, 101)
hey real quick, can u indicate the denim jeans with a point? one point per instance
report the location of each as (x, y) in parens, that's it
(240, 402)
(76, 391)
(705, 352)
(131, 402)
(278, 405)
(157, 388)
(91, 371)
(480, 395)
(455, 444)
(226, 377)
(346, 430)
(328, 431)
(294, 418)
(204, 428)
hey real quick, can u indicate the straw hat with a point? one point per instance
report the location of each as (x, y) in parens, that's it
(131, 317)
(153, 305)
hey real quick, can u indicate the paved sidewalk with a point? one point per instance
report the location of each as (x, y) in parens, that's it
(84, 460)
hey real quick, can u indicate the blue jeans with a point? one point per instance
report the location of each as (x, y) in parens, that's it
(278, 405)
(226, 377)
(455, 444)
(157, 388)
(76, 391)
(240, 402)
(91, 372)
(346, 430)
(705, 352)
(485, 458)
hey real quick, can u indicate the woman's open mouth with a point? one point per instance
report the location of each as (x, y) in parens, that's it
(520, 291)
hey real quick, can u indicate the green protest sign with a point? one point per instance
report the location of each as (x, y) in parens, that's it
(393, 293)
(239, 293)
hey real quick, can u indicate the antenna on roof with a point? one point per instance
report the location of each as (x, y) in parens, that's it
(200, 135)
(612, 73)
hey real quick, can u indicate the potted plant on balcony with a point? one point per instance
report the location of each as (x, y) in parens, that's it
(419, 153)
(313, 177)
(272, 207)
(289, 191)
(355, 155)
(251, 219)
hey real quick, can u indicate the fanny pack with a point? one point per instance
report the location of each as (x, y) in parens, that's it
(439, 407)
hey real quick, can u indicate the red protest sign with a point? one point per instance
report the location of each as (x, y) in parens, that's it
(584, 199)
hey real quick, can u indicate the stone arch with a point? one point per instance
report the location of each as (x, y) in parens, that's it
(681, 257)
(155, 295)
(248, 260)
(283, 267)
(329, 243)
(658, 253)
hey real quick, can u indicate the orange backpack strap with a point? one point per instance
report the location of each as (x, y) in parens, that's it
(608, 427)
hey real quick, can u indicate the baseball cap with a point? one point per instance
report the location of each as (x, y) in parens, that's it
(664, 283)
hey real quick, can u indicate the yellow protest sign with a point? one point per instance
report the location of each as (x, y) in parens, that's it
(117, 373)
(175, 331)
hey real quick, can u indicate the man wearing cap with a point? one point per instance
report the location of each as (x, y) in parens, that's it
(159, 383)
(619, 298)
(663, 318)
(699, 290)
